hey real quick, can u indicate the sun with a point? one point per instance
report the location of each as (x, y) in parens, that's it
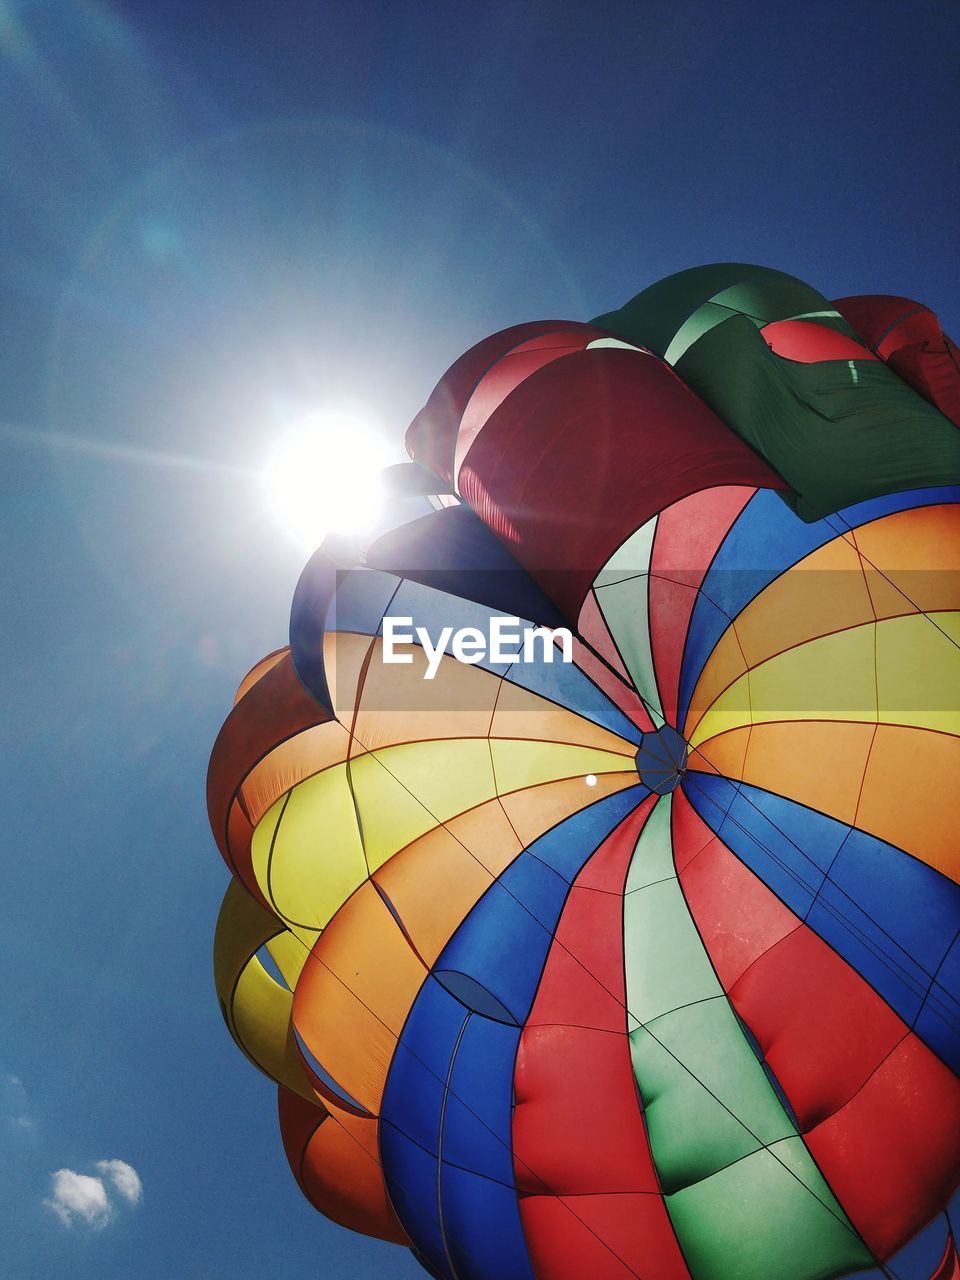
(323, 475)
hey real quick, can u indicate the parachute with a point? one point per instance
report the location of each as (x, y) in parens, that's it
(644, 964)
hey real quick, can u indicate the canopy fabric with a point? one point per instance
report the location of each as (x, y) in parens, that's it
(646, 964)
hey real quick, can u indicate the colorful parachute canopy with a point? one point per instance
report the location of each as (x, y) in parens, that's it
(645, 965)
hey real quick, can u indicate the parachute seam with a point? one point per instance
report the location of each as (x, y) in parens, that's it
(348, 762)
(273, 842)
(440, 1160)
(904, 315)
(927, 996)
(708, 767)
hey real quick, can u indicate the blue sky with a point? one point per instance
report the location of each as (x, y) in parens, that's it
(217, 217)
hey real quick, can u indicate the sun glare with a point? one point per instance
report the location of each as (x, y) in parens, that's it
(324, 476)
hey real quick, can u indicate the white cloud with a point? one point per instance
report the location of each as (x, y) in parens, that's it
(78, 1197)
(124, 1177)
(15, 1103)
(82, 1197)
